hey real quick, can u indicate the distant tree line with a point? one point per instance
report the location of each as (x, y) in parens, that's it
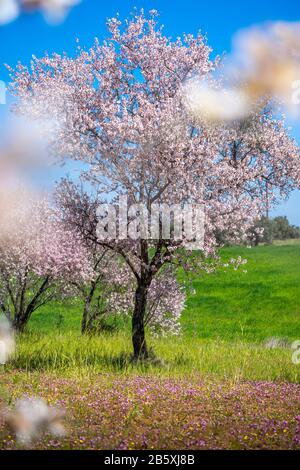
(277, 228)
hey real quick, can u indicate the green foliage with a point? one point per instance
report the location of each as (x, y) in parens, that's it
(146, 411)
(278, 228)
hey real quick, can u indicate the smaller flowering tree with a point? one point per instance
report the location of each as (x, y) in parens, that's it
(39, 258)
(111, 288)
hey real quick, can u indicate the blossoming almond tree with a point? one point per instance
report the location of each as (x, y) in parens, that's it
(107, 273)
(119, 109)
(39, 258)
(111, 288)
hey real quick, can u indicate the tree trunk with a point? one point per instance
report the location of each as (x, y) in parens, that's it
(138, 322)
(19, 323)
(22, 313)
(85, 316)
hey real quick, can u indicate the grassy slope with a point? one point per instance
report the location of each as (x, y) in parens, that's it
(262, 303)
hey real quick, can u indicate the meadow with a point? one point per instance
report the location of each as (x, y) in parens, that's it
(214, 386)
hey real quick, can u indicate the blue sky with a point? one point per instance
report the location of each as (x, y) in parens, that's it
(219, 20)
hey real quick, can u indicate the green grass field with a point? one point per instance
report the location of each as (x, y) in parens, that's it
(224, 327)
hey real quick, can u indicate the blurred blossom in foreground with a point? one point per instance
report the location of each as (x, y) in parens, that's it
(24, 142)
(7, 340)
(31, 417)
(264, 66)
(54, 11)
(9, 10)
